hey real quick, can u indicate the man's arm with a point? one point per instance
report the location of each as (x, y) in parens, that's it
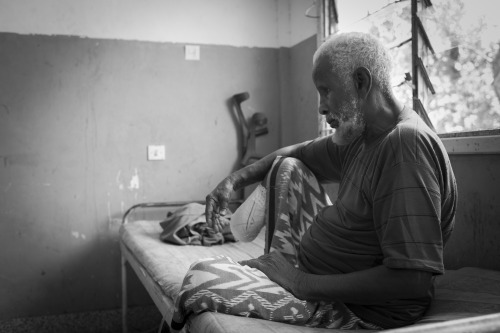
(368, 286)
(217, 201)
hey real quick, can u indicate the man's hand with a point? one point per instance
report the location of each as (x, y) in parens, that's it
(216, 205)
(218, 200)
(277, 269)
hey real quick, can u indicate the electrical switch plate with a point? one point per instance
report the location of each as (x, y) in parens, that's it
(156, 153)
(192, 52)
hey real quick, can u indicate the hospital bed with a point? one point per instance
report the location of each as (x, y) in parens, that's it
(467, 299)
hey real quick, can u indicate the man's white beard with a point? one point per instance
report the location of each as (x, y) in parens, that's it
(352, 127)
(348, 131)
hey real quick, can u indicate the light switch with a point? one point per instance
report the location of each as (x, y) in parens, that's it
(156, 153)
(192, 52)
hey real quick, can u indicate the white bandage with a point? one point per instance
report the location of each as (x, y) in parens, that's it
(250, 217)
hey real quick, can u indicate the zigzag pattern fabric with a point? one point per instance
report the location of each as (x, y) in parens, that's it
(221, 285)
(295, 197)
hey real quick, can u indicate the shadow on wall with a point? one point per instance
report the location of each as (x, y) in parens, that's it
(248, 130)
(76, 119)
(474, 241)
(74, 281)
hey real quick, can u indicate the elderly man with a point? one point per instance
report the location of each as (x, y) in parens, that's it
(375, 251)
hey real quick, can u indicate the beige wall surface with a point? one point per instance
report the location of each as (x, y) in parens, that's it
(252, 23)
(86, 86)
(474, 241)
(76, 116)
(299, 99)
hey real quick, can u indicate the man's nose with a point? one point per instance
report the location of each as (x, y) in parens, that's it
(323, 109)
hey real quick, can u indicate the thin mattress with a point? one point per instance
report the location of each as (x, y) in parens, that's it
(459, 293)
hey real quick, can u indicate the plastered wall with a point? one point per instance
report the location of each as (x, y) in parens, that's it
(256, 23)
(474, 241)
(78, 109)
(299, 99)
(85, 86)
(76, 117)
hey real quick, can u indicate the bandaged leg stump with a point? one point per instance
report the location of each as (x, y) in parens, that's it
(247, 221)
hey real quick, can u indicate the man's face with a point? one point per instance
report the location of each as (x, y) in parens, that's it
(338, 103)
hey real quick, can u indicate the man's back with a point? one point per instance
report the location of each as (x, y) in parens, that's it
(395, 206)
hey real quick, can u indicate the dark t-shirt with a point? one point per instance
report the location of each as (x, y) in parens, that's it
(395, 207)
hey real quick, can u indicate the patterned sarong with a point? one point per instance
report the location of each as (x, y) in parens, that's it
(221, 285)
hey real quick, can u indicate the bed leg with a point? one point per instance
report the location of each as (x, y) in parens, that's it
(124, 295)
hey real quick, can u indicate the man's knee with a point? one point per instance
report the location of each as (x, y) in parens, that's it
(289, 164)
(285, 169)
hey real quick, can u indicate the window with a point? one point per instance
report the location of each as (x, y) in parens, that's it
(465, 69)
(455, 66)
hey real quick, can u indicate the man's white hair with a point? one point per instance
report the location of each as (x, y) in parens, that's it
(348, 51)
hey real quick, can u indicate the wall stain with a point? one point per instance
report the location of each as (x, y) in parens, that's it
(5, 108)
(119, 180)
(7, 188)
(134, 182)
(31, 160)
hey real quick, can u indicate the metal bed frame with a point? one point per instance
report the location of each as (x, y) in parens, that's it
(482, 323)
(162, 303)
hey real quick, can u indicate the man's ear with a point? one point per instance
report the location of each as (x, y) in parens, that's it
(362, 81)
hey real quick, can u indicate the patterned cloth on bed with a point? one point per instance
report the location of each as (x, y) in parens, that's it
(221, 285)
(187, 225)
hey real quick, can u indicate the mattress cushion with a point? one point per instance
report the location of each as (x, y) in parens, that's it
(167, 263)
(461, 293)
(466, 292)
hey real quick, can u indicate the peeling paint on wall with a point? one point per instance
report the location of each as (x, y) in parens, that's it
(114, 224)
(85, 156)
(78, 235)
(119, 181)
(134, 182)
(109, 209)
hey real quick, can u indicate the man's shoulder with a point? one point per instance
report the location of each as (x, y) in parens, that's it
(413, 130)
(413, 141)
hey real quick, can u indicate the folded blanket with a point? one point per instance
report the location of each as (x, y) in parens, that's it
(187, 226)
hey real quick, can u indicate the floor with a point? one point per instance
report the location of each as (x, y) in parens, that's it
(140, 320)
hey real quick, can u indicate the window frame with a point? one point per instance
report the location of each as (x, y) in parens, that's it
(474, 142)
(458, 143)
